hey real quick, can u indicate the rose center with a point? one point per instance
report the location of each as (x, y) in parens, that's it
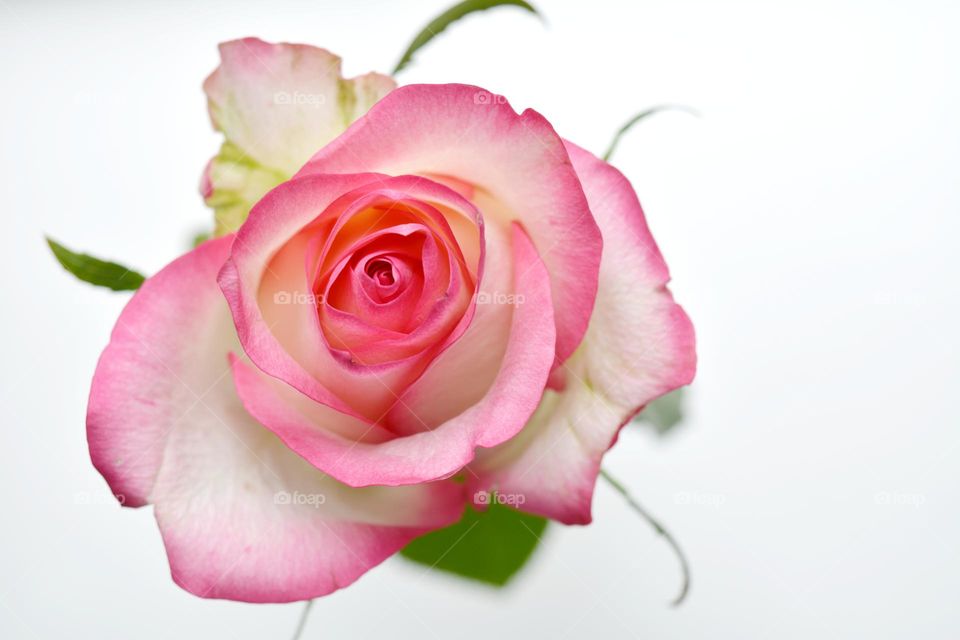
(381, 271)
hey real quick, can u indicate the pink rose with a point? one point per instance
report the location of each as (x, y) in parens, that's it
(446, 298)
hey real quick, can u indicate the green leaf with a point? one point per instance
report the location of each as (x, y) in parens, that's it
(664, 413)
(95, 271)
(490, 546)
(640, 116)
(449, 16)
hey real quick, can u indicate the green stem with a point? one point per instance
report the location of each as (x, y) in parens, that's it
(641, 116)
(659, 528)
(303, 619)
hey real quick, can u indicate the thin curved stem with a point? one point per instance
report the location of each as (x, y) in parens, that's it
(303, 619)
(641, 116)
(659, 528)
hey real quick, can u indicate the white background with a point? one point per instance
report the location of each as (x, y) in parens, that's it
(810, 218)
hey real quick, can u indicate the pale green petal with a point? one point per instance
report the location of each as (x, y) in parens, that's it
(236, 183)
(277, 105)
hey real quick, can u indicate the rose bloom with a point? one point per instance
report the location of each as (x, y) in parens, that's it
(442, 298)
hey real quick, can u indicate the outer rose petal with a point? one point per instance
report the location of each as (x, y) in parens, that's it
(640, 345)
(517, 163)
(279, 103)
(442, 451)
(243, 517)
(276, 105)
(165, 426)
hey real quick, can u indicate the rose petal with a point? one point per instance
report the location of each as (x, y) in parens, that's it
(243, 517)
(279, 103)
(640, 345)
(143, 387)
